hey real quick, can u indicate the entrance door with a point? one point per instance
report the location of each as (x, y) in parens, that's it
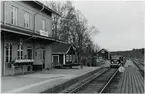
(40, 58)
(55, 60)
(29, 52)
(8, 58)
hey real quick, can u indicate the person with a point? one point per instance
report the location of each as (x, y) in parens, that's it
(121, 68)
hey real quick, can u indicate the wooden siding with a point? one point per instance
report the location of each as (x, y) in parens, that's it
(14, 39)
(22, 7)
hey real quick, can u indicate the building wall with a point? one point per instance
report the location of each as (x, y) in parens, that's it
(104, 55)
(2, 56)
(32, 9)
(1, 6)
(48, 55)
(22, 7)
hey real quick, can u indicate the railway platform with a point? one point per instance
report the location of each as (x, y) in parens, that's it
(131, 80)
(45, 80)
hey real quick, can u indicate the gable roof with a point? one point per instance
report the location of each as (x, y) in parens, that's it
(45, 7)
(61, 48)
(104, 50)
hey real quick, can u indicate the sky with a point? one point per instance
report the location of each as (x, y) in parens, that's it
(120, 23)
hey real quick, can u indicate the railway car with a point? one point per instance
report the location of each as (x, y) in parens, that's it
(116, 61)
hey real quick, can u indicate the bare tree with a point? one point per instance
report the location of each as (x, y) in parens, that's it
(72, 27)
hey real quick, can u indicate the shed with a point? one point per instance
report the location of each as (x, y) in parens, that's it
(63, 54)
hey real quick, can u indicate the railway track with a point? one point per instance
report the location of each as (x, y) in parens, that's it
(95, 84)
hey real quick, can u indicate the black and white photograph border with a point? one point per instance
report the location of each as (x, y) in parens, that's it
(72, 46)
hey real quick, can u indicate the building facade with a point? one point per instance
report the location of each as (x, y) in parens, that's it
(26, 30)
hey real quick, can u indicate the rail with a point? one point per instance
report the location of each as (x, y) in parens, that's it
(76, 89)
(108, 82)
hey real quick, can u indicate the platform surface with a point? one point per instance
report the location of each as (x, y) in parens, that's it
(131, 80)
(40, 81)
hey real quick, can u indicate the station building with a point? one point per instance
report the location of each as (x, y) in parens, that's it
(26, 35)
(104, 54)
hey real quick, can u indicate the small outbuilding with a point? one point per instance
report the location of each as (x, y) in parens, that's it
(64, 54)
(104, 54)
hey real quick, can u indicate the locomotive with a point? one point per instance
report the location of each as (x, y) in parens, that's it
(116, 61)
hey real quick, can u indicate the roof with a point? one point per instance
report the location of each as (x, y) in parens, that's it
(104, 50)
(26, 32)
(45, 7)
(61, 48)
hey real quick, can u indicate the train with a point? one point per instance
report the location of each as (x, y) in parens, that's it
(116, 61)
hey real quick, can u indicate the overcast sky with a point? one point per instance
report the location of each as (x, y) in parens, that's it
(120, 23)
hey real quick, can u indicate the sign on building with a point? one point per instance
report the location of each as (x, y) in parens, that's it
(44, 33)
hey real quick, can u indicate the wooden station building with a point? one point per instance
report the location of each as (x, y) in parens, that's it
(26, 36)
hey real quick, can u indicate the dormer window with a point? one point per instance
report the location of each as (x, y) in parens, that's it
(43, 25)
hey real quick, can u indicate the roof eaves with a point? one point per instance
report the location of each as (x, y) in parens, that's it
(37, 2)
(58, 53)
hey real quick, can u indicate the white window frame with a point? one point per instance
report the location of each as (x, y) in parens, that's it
(14, 15)
(67, 58)
(43, 25)
(20, 51)
(27, 20)
(9, 52)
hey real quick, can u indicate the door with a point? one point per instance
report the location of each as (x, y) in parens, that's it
(8, 58)
(29, 52)
(55, 60)
(40, 58)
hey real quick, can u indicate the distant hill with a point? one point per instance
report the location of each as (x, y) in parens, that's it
(131, 53)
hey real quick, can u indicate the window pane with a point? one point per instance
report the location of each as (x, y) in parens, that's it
(14, 13)
(67, 58)
(18, 53)
(26, 19)
(21, 54)
(21, 47)
(10, 59)
(7, 52)
(6, 59)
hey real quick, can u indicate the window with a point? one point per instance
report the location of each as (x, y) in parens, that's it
(26, 19)
(67, 58)
(20, 52)
(8, 52)
(14, 15)
(43, 25)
